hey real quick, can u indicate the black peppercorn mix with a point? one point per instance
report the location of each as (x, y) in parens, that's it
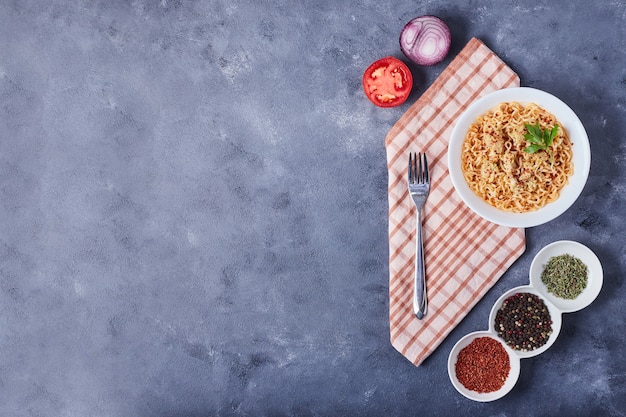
(523, 322)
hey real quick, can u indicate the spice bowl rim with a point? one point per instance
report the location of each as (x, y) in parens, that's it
(511, 379)
(555, 316)
(582, 252)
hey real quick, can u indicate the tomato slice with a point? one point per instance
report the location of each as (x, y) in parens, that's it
(387, 82)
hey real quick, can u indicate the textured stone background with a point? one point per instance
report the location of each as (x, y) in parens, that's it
(180, 234)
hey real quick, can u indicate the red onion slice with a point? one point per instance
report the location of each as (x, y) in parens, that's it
(425, 40)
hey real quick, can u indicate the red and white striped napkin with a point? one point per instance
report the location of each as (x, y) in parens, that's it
(465, 255)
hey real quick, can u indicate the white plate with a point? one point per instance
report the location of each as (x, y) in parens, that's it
(555, 316)
(580, 148)
(594, 270)
(514, 360)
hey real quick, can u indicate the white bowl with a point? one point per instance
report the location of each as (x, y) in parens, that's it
(555, 316)
(514, 361)
(580, 148)
(580, 251)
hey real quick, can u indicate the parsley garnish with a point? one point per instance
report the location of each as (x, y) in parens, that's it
(540, 139)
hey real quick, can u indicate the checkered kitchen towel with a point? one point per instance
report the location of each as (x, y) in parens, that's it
(465, 254)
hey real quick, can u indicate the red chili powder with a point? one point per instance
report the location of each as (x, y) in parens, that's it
(483, 365)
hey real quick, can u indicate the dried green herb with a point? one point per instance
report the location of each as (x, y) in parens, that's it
(565, 276)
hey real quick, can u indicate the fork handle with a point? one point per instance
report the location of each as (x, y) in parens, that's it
(419, 294)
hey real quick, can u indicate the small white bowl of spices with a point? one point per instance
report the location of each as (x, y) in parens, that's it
(525, 321)
(482, 368)
(568, 274)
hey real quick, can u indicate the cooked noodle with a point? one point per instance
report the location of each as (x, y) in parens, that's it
(497, 168)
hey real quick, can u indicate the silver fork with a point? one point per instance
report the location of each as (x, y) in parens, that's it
(419, 188)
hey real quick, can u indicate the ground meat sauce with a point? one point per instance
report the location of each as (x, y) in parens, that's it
(483, 365)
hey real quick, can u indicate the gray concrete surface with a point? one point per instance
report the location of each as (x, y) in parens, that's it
(179, 234)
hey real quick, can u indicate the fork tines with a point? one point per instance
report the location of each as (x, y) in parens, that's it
(416, 173)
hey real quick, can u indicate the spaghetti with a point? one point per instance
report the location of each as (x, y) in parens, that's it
(497, 168)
